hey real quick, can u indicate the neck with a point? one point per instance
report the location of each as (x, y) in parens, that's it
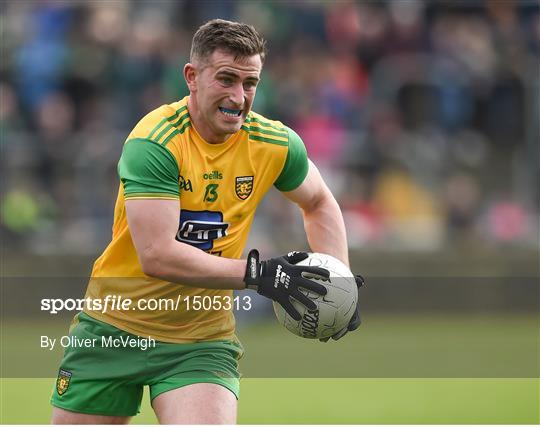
(197, 122)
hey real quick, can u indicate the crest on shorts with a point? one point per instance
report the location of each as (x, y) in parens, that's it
(244, 186)
(62, 383)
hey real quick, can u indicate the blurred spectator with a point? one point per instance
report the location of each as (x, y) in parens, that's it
(462, 195)
(414, 111)
(507, 221)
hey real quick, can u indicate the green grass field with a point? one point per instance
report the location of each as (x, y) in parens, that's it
(392, 348)
(334, 401)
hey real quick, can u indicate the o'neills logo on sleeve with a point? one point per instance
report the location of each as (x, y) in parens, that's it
(244, 186)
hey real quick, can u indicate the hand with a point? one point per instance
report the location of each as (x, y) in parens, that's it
(355, 319)
(280, 279)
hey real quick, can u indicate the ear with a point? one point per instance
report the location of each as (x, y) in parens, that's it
(190, 74)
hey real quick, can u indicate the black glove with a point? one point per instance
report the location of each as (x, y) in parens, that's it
(355, 319)
(280, 279)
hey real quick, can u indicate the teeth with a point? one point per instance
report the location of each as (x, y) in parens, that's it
(230, 113)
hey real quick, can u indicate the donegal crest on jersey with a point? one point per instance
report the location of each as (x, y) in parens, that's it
(244, 186)
(62, 382)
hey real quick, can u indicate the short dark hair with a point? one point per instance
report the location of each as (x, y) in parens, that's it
(237, 38)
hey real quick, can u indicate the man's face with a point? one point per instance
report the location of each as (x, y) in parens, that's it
(222, 93)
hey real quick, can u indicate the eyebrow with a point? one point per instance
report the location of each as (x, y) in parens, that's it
(235, 75)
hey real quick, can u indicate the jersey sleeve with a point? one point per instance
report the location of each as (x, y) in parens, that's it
(296, 165)
(148, 170)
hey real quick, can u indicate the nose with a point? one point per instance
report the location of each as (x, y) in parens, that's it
(236, 95)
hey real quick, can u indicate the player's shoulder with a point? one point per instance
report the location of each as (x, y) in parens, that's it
(263, 129)
(163, 123)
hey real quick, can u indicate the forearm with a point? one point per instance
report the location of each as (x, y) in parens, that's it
(180, 263)
(325, 228)
(153, 225)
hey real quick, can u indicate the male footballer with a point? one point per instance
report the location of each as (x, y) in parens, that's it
(191, 176)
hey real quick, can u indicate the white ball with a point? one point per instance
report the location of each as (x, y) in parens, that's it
(334, 310)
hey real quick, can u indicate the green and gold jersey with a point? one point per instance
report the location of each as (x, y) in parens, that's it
(218, 186)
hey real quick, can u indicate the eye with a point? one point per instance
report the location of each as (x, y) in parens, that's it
(226, 81)
(250, 85)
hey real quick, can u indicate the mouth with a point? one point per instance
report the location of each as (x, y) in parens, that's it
(229, 112)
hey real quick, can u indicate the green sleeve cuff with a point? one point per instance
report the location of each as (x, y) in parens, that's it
(148, 169)
(296, 165)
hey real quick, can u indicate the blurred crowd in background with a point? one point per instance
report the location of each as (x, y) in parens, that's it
(423, 116)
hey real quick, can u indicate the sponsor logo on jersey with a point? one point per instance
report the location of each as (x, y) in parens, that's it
(62, 382)
(201, 228)
(216, 253)
(185, 184)
(213, 175)
(244, 186)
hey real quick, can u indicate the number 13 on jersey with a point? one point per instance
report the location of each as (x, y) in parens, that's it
(211, 195)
